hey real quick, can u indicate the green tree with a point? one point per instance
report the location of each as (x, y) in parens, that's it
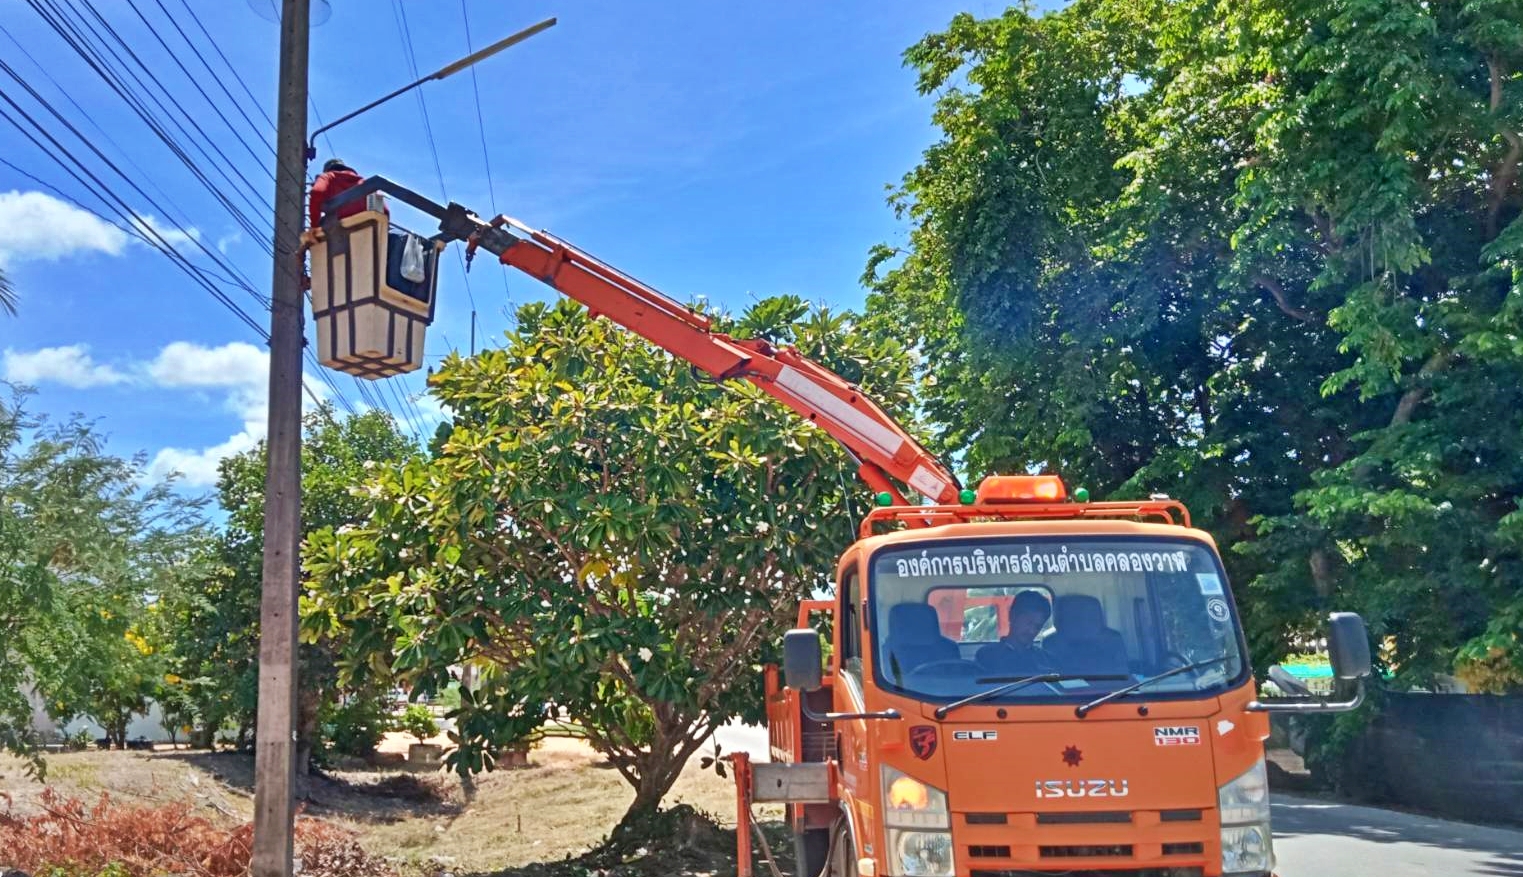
(1262, 256)
(604, 533)
(216, 648)
(85, 549)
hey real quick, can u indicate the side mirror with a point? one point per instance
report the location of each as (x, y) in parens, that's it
(1348, 646)
(802, 659)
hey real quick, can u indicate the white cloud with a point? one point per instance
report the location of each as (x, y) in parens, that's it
(71, 366)
(36, 226)
(157, 231)
(187, 364)
(241, 373)
(227, 241)
(198, 468)
(233, 376)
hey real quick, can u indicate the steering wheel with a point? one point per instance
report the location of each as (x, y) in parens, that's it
(1181, 659)
(944, 665)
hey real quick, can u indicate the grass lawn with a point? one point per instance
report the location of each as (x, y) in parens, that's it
(518, 821)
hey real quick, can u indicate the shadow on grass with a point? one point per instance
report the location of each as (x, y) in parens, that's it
(679, 842)
(373, 795)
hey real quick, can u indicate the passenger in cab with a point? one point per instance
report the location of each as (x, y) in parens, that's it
(1017, 653)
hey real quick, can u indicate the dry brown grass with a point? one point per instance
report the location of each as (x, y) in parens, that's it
(563, 804)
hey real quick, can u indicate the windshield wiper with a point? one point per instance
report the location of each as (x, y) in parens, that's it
(1011, 685)
(1135, 686)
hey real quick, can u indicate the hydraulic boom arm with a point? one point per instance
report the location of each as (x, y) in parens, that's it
(885, 453)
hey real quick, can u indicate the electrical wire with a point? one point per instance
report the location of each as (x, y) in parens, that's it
(132, 4)
(192, 238)
(76, 41)
(137, 225)
(249, 191)
(399, 13)
(115, 72)
(481, 127)
(105, 135)
(231, 69)
(101, 188)
(258, 132)
(411, 425)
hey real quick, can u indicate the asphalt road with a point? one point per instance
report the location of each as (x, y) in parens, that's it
(1315, 838)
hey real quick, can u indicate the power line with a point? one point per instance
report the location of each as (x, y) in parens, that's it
(129, 230)
(486, 156)
(399, 13)
(161, 244)
(227, 163)
(42, 68)
(258, 132)
(76, 40)
(412, 426)
(74, 37)
(231, 69)
(197, 85)
(42, 101)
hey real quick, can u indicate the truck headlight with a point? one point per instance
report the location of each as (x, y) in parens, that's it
(922, 853)
(910, 803)
(1246, 849)
(1243, 803)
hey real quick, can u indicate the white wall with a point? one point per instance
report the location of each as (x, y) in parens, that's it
(150, 726)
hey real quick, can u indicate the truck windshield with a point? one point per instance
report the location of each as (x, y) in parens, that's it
(952, 619)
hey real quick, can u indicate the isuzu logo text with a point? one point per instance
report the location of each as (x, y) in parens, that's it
(1082, 789)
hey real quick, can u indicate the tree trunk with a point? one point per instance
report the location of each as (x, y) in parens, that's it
(307, 703)
(656, 772)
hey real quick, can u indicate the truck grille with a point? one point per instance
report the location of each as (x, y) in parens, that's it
(1086, 852)
(1098, 817)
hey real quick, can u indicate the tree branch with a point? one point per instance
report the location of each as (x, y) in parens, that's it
(1276, 289)
(1407, 406)
(1506, 172)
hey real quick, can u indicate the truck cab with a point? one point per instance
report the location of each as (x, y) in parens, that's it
(1023, 687)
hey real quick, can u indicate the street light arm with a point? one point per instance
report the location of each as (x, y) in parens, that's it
(491, 50)
(441, 73)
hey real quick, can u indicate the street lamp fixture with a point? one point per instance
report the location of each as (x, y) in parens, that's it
(441, 73)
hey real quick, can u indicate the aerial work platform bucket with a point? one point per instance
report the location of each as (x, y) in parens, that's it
(370, 319)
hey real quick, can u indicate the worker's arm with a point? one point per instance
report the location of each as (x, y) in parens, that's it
(315, 200)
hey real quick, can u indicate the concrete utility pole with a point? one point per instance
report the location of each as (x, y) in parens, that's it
(275, 752)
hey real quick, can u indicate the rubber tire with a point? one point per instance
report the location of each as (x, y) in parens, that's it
(809, 849)
(843, 862)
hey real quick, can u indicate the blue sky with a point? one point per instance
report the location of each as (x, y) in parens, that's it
(717, 150)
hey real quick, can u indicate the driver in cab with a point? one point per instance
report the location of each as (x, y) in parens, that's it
(1016, 653)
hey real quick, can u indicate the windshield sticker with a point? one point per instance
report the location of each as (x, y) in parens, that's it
(1061, 562)
(1216, 607)
(1210, 583)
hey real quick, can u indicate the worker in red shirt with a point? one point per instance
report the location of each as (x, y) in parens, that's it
(335, 179)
